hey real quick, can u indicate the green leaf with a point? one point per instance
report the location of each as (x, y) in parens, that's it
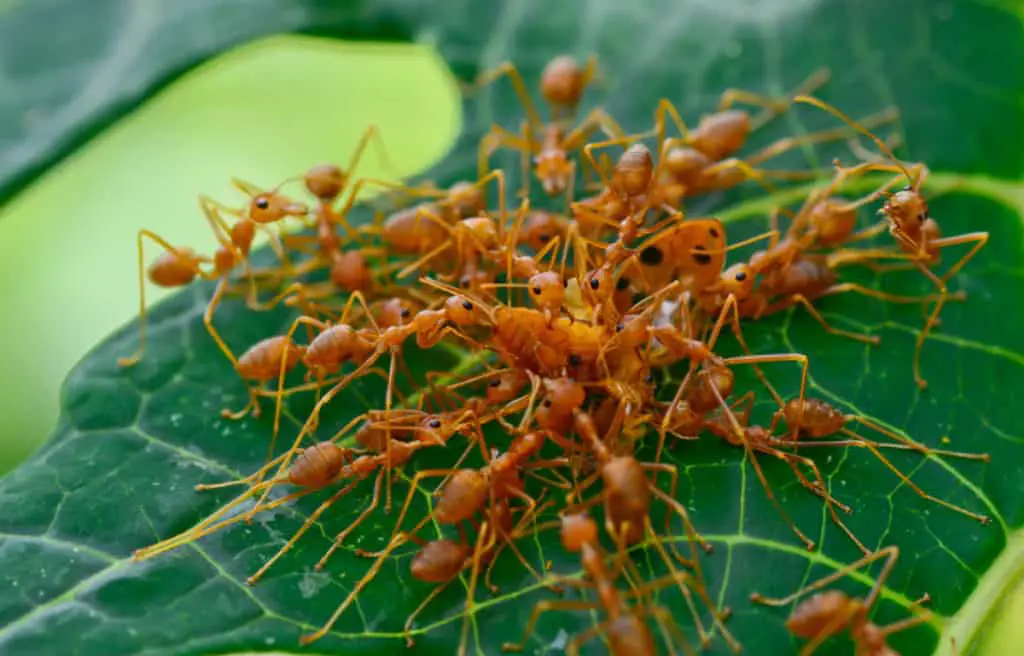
(119, 472)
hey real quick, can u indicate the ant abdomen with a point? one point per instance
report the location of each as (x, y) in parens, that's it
(350, 272)
(562, 82)
(317, 465)
(833, 220)
(629, 634)
(721, 134)
(439, 561)
(325, 181)
(263, 360)
(414, 230)
(174, 269)
(333, 347)
(820, 613)
(702, 398)
(632, 173)
(462, 497)
(818, 418)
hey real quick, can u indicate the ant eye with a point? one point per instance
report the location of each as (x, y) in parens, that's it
(713, 232)
(405, 313)
(565, 282)
(544, 238)
(594, 283)
(464, 283)
(741, 276)
(262, 202)
(435, 423)
(547, 403)
(575, 360)
(649, 379)
(536, 290)
(620, 327)
(922, 216)
(467, 305)
(495, 383)
(622, 284)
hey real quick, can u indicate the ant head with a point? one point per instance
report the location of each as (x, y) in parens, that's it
(598, 285)
(737, 280)
(554, 170)
(631, 175)
(394, 312)
(436, 428)
(632, 330)
(907, 210)
(271, 206)
(325, 181)
(539, 229)
(547, 290)
(562, 81)
(462, 311)
(505, 386)
(578, 529)
(466, 198)
(473, 279)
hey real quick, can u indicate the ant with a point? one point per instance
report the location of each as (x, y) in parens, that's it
(828, 613)
(815, 419)
(180, 266)
(625, 627)
(562, 85)
(915, 231)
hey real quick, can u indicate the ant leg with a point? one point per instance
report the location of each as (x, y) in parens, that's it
(314, 415)
(340, 538)
(363, 582)
(509, 69)
(479, 548)
(870, 446)
(772, 107)
(818, 489)
(543, 607)
(589, 149)
(737, 330)
(800, 299)
(908, 623)
(497, 138)
(906, 441)
(298, 534)
(787, 144)
(890, 553)
(597, 119)
(407, 628)
(665, 107)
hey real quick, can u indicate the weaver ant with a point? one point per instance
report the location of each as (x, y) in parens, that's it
(826, 614)
(916, 232)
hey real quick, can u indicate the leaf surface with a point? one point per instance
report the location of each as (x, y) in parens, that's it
(119, 472)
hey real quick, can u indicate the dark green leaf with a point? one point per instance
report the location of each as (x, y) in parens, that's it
(119, 473)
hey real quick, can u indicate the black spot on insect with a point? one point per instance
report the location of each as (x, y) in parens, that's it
(620, 327)
(262, 203)
(622, 284)
(651, 256)
(405, 313)
(575, 360)
(702, 259)
(467, 304)
(434, 423)
(713, 232)
(741, 276)
(544, 238)
(649, 379)
(536, 290)
(594, 283)
(495, 383)
(547, 403)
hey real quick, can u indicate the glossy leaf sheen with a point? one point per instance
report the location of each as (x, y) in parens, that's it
(119, 472)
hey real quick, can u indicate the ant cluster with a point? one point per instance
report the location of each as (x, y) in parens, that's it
(620, 285)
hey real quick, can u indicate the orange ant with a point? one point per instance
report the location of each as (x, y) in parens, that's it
(916, 232)
(315, 468)
(625, 627)
(828, 613)
(701, 161)
(815, 419)
(562, 85)
(180, 266)
(439, 561)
